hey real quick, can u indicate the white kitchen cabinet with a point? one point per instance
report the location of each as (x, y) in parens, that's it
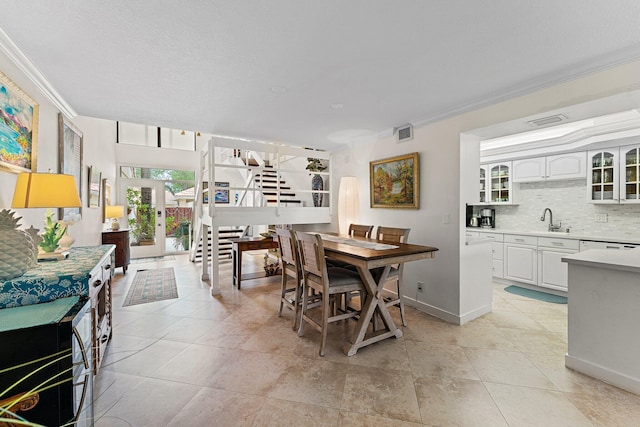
(552, 272)
(483, 183)
(521, 258)
(495, 184)
(550, 168)
(630, 174)
(529, 170)
(602, 179)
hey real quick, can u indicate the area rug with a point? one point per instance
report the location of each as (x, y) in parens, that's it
(152, 285)
(540, 296)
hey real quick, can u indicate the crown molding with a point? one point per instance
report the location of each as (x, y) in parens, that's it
(31, 71)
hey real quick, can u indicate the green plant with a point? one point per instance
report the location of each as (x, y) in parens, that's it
(182, 235)
(169, 225)
(316, 165)
(143, 227)
(53, 232)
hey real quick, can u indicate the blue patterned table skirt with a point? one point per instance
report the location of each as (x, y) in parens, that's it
(51, 280)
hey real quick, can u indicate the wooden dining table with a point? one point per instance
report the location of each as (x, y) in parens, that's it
(365, 259)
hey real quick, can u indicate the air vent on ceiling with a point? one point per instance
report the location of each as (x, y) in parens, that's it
(543, 121)
(403, 133)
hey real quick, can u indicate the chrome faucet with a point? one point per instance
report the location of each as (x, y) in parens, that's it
(551, 226)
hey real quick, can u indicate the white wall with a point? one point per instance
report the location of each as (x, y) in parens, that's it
(441, 181)
(98, 151)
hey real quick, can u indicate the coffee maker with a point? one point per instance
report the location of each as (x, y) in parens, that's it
(488, 218)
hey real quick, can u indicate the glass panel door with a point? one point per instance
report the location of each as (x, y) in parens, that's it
(146, 216)
(631, 177)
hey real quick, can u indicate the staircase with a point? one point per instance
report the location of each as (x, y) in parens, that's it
(268, 181)
(224, 244)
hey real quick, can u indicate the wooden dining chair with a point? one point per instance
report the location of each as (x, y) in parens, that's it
(394, 235)
(291, 274)
(329, 283)
(358, 230)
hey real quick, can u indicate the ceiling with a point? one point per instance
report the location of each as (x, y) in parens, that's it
(311, 73)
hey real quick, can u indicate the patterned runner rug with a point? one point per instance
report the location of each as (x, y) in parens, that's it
(152, 285)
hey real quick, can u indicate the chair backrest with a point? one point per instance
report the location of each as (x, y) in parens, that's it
(392, 235)
(312, 261)
(360, 230)
(288, 252)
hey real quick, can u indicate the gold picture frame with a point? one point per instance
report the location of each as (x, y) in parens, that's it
(394, 182)
(19, 128)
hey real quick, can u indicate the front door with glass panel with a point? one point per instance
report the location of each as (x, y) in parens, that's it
(145, 214)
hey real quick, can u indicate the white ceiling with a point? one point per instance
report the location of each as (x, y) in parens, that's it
(281, 69)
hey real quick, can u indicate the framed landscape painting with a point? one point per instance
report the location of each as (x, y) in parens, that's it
(18, 128)
(394, 182)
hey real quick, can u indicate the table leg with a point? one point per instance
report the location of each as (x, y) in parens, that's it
(237, 265)
(374, 303)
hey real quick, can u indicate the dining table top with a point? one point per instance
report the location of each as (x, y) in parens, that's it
(349, 245)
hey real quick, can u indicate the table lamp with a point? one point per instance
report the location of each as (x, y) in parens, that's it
(47, 190)
(114, 212)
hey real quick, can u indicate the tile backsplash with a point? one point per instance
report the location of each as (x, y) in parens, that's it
(568, 202)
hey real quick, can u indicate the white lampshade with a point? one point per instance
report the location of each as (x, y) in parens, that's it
(348, 200)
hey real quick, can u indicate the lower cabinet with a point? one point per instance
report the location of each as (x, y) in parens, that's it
(552, 272)
(521, 258)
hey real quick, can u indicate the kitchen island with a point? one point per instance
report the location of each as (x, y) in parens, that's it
(604, 296)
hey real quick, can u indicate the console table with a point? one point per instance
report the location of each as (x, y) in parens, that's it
(248, 244)
(120, 238)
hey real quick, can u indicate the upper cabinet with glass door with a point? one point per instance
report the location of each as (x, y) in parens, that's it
(602, 180)
(630, 174)
(495, 184)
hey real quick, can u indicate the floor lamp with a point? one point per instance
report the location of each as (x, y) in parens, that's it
(348, 200)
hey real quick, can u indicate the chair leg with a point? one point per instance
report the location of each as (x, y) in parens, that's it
(303, 311)
(404, 321)
(298, 303)
(325, 322)
(283, 292)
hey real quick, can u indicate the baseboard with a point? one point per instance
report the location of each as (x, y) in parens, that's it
(617, 379)
(474, 314)
(433, 311)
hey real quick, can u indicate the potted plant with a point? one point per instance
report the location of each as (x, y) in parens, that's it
(317, 183)
(144, 221)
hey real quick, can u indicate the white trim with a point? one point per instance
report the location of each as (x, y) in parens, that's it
(607, 375)
(434, 311)
(31, 71)
(474, 314)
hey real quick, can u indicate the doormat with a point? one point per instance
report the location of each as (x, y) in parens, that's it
(152, 259)
(152, 285)
(540, 296)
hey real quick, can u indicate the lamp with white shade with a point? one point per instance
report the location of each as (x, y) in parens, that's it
(114, 213)
(348, 201)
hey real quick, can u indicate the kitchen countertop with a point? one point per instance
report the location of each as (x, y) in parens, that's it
(606, 258)
(573, 236)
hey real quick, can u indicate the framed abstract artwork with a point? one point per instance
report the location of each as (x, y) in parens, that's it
(70, 146)
(395, 182)
(222, 195)
(18, 128)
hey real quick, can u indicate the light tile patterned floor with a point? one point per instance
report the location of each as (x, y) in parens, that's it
(231, 361)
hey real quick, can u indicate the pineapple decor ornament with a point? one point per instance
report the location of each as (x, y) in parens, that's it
(17, 250)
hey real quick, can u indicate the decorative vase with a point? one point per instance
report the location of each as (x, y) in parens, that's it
(66, 241)
(317, 184)
(17, 251)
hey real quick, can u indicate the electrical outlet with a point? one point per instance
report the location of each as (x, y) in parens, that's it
(446, 219)
(420, 285)
(601, 218)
